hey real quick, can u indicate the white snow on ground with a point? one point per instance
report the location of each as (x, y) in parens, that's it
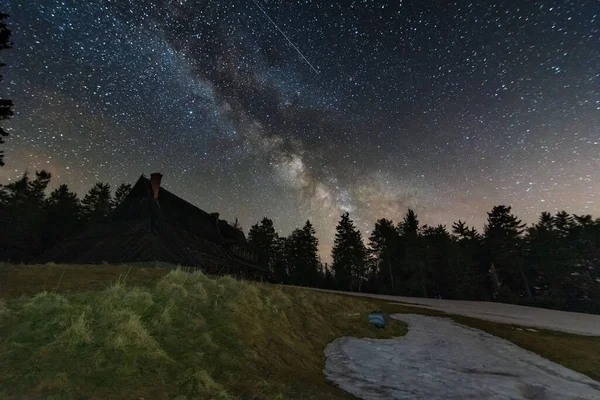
(440, 359)
(578, 323)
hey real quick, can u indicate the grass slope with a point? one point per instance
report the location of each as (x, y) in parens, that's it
(159, 333)
(185, 335)
(18, 280)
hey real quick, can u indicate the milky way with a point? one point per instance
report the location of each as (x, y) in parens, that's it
(449, 108)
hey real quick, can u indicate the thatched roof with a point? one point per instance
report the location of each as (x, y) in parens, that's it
(161, 227)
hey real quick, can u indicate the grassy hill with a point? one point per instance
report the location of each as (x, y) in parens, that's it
(186, 334)
(151, 332)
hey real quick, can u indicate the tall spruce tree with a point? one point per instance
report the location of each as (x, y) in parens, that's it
(264, 238)
(383, 243)
(412, 266)
(503, 238)
(586, 244)
(541, 244)
(301, 249)
(409, 227)
(280, 261)
(437, 247)
(567, 260)
(349, 255)
(469, 278)
(5, 104)
(97, 203)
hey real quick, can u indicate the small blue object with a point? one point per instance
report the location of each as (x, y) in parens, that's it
(377, 318)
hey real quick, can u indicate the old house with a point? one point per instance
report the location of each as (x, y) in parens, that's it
(153, 224)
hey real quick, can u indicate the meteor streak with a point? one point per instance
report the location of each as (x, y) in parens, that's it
(285, 36)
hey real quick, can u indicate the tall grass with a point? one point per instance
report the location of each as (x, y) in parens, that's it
(188, 335)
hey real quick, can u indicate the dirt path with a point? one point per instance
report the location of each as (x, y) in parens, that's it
(440, 359)
(570, 322)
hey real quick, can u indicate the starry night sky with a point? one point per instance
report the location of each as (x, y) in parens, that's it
(446, 107)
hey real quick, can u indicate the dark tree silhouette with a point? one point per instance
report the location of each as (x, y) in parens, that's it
(122, 191)
(301, 249)
(469, 277)
(63, 216)
(553, 263)
(22, 216)
(327, 279)
(564, 252)
(5, 105)
(586, 252)
(462, 231)
(413, 269)
(437, 247)
(280, 261)
(503, 239)
(264, 238)
(563, 223)
(349, 255)
(97, 203)
(409, 227)
(541, 241)
(383, 244)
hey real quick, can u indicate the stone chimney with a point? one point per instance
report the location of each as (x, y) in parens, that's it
(215, 215)
(155, 181)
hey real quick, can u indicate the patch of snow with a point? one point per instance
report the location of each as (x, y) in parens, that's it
(440, 359)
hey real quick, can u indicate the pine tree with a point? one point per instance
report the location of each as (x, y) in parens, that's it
(5, 105)
(15, 193)
(462, 231)
(413, 269)
(409, 227)
(63, 214)
(563, 223)
(325, 276)
(567, 261)
(264, 238)
(546, 222)
(383, 243)
(22, 212)
(469, 278)
(302, 256)
(97, 203)
(120, 194)
(586, 266)
(541, 243)
(280, 261)
(437, 246)
(504, 242)
(349, 255)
